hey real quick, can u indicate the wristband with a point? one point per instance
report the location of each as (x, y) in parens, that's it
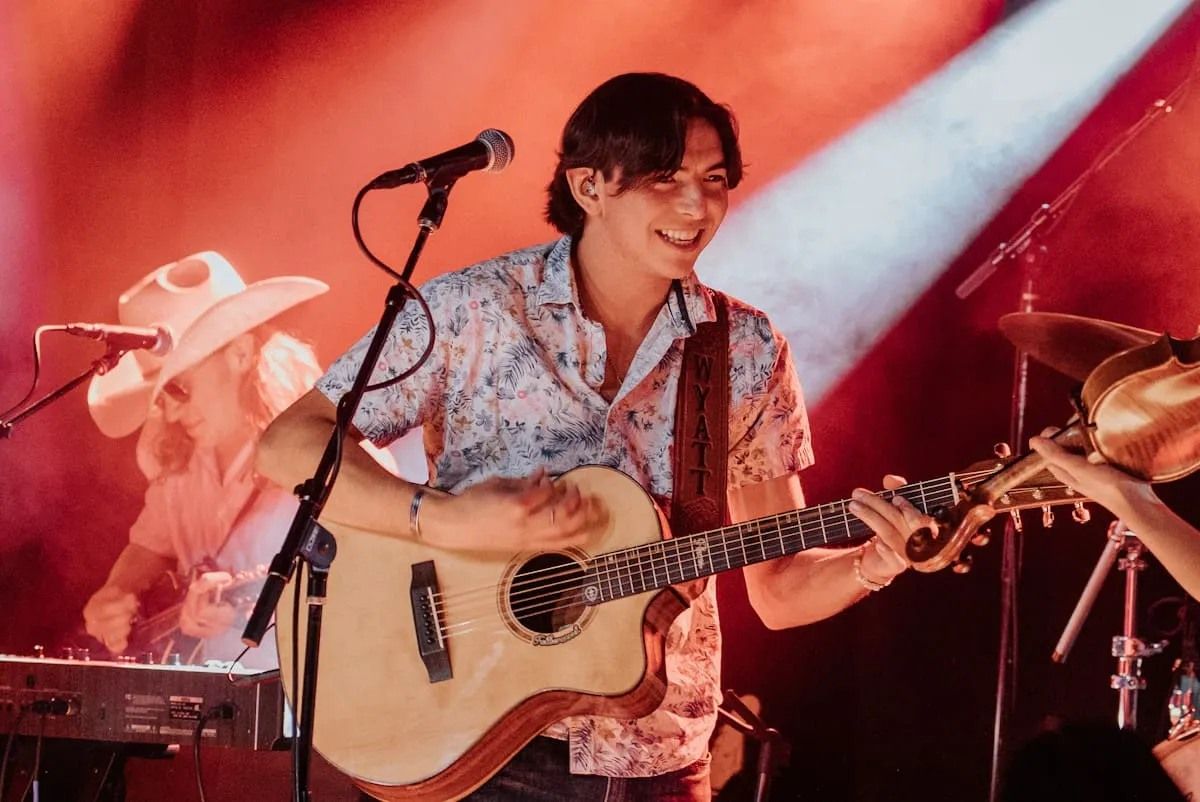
(414, 514)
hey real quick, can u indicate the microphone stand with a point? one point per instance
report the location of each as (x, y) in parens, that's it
(101, 366)
(743, 719)
(306, 539)
(1028, 245)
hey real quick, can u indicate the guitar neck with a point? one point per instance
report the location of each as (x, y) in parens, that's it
(657, 565)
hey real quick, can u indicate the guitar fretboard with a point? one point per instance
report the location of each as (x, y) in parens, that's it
(654, 566)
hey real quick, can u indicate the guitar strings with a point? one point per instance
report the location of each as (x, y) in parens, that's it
(807, 515)
(572, 573)
(541, 602)
(542, 607)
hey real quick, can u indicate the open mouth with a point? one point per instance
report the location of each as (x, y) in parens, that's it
(685, 240)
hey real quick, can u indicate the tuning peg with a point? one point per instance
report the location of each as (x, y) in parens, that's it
(1047, 516)
(1002, 450)
(1017, 523)
(962, 565)
(1081, 514)
(981, 538)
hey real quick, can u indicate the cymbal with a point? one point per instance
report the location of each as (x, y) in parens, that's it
(1071, 344)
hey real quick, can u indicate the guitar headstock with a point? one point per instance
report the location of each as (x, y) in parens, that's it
(1004, 484)
(1042, 489)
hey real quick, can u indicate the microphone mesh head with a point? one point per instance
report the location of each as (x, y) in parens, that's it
(500, 146)
(166, 341)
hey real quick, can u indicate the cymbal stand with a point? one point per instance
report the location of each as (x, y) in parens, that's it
(1127, 647)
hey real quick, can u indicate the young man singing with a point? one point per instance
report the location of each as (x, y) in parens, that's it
(567, 354)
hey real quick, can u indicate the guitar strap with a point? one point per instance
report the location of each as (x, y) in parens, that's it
(241, 516)
(698, 500)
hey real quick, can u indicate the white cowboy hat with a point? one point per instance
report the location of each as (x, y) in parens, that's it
(204, 304)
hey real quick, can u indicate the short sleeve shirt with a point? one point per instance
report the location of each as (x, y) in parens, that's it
(512, 385)
(233, 520)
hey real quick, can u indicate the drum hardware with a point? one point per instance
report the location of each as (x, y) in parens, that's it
(1126, 647)
(1185, 686)
(1181, 708)
(1180, 752)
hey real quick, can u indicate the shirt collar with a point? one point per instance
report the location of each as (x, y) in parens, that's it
(239, 469)
(558, 287)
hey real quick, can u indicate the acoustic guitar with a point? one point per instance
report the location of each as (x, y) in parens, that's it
(438, 666)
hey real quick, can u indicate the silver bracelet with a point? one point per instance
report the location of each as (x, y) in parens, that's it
(414, 514)
(864, 580)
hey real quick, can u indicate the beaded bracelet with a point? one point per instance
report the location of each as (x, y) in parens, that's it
(864, 580)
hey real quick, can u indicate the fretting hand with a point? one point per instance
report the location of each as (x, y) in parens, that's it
(893, 522)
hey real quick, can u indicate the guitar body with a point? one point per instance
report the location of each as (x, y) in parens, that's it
(516, 668)
(438, 666)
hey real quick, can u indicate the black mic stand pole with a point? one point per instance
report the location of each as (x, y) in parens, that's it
(744, 720)
(101, 366)
(309, 541)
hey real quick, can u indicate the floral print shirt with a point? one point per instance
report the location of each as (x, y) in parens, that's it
(512, 384)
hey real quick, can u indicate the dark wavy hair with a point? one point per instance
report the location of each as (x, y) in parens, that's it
(636, 122)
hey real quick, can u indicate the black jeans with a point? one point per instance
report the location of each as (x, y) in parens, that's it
(540, 773)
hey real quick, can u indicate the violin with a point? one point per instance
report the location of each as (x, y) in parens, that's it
(1138, 410)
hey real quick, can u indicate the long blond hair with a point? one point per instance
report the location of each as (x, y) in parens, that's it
(285, 368)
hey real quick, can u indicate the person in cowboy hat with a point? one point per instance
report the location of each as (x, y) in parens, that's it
(200, 408)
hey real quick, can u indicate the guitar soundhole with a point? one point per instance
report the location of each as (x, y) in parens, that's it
(545, 596)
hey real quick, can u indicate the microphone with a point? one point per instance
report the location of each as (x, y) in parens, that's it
(492, 151)
(157, 340)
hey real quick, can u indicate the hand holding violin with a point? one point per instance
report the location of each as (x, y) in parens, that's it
(1120, 493)
(1174, 541)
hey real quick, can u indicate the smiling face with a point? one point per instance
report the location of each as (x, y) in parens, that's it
(204, 399)
(658, 226)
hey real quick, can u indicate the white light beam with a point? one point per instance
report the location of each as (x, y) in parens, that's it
(838, 249)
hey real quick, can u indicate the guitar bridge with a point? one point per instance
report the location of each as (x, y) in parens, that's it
(427, 622)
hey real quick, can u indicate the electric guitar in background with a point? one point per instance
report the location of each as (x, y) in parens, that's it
(155, 636)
